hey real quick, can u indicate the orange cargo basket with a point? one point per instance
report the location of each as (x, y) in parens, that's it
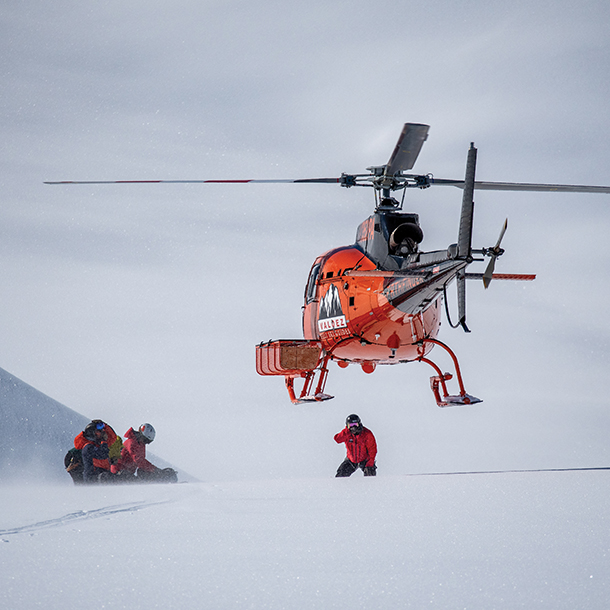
(287, 357)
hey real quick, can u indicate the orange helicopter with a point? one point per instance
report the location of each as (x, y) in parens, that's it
(379, 300)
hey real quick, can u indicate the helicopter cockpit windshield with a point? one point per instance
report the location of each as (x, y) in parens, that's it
(310, 291)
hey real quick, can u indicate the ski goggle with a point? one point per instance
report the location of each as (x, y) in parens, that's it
(353, 424)
(100, 425)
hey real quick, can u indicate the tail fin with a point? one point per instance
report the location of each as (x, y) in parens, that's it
(465, 234)
(461, 290)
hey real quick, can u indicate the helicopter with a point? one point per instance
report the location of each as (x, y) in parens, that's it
(379, 301)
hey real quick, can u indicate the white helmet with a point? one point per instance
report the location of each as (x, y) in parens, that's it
(148, 432)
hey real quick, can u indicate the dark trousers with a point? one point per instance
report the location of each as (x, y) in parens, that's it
(347, 468)
(165, 475)
(90, 472)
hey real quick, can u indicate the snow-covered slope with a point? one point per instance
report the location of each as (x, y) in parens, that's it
(477, 541)
(35, 433)
(506, 541)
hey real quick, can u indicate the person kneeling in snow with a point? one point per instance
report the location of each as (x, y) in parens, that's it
(99, 448)
(133, 458)
(361, 448)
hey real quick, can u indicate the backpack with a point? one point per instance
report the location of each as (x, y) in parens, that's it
(73, 463)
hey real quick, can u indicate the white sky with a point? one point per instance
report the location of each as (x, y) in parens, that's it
(135, 303)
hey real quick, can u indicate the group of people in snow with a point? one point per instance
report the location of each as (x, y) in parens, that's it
(99, 455)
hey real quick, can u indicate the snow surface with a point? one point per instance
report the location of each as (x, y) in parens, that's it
(528, 540)
(504, 540)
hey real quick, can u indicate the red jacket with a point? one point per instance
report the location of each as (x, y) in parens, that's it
(80, 441)
(360, 447)
(133, 454)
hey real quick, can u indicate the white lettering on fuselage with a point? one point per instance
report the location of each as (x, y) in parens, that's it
(331, 323)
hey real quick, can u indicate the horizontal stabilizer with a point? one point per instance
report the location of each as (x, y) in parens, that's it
(524, 277)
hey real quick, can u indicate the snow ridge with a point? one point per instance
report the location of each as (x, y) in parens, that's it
(36, 433)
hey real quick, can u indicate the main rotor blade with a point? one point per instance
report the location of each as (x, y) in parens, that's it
(407, 149)
(524, 186)
(315, 180)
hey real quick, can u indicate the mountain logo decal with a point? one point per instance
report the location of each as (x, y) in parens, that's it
(331, 314)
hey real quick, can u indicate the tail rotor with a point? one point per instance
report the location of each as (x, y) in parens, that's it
(494, 253)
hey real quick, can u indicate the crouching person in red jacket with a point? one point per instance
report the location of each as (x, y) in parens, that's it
(361, 448)
(133, 465)
(99, 445)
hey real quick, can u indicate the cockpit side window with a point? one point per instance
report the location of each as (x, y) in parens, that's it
(310, 293)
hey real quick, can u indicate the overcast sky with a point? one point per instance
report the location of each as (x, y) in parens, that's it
(144, 303)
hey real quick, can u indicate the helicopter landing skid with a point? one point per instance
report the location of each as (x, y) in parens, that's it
(309, 376)
(438, 382)
(319, 396)
(316, 398)
(447, 400)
